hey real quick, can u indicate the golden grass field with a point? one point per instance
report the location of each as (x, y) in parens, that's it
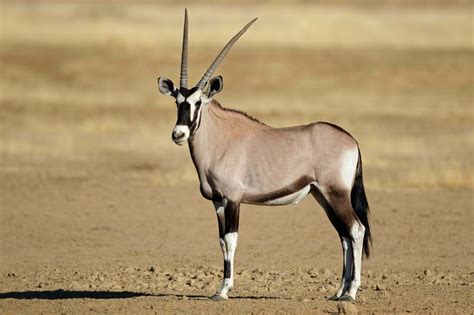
(93, 186)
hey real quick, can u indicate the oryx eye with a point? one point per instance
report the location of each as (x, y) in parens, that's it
(198, 103)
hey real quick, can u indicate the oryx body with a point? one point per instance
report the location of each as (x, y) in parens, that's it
(241, 160)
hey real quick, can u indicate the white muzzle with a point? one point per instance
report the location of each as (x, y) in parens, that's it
(180, 134)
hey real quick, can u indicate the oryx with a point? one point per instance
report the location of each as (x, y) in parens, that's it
(241, 160)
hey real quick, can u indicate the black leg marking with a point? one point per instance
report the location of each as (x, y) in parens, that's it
(220, 223)
(218, 205)
(227, 269)
(232, 211)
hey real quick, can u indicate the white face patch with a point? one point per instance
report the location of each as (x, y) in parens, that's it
(180, 98)
(192, 100)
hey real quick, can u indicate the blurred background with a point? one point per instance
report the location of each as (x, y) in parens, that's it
(94, 192)
(79, 95)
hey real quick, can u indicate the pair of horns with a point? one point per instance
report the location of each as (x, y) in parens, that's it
(184, 55)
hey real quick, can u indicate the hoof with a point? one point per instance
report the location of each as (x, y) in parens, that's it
(333, 298)
(346, 298)
(217, 297)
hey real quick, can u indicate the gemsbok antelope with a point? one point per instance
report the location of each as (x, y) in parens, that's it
(241, 160)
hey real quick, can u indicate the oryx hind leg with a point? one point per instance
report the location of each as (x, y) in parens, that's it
(228, 221)
(357, 238)
(352, 232)
(336, 204)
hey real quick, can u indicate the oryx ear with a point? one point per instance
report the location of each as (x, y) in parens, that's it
(166, 87)
(215, 86)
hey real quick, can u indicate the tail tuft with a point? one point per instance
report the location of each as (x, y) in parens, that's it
(361, 206)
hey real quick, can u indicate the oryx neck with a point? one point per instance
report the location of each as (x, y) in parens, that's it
(228, 113)
(220, 128)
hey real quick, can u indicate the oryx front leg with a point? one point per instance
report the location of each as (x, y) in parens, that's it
(228, 219)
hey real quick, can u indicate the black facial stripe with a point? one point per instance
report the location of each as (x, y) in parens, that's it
(184, 113)
(185, 92)
(196, 122)
(196, 113)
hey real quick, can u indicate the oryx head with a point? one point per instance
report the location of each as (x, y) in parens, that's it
(190, 101)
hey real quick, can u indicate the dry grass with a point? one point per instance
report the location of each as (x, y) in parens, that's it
(300, 25)
(78, 83)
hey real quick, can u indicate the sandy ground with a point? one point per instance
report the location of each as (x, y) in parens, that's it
(121, 244)
(101, 212)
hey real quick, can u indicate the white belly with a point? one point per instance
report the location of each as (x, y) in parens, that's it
(293, 198)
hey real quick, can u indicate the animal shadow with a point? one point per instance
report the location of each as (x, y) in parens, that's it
(105, 295)
(65, 295)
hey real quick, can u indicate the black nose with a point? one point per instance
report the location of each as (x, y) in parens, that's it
(177, 134)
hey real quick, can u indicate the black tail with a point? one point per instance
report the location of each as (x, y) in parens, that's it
(361, 206)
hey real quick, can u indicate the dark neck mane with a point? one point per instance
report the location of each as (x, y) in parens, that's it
(238, 112)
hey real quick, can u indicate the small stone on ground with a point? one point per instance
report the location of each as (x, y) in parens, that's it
(346, 308)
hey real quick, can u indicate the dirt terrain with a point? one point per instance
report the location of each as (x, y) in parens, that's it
(101, 212)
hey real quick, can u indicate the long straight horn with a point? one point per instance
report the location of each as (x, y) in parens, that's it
(221, 56)
(183, 81)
